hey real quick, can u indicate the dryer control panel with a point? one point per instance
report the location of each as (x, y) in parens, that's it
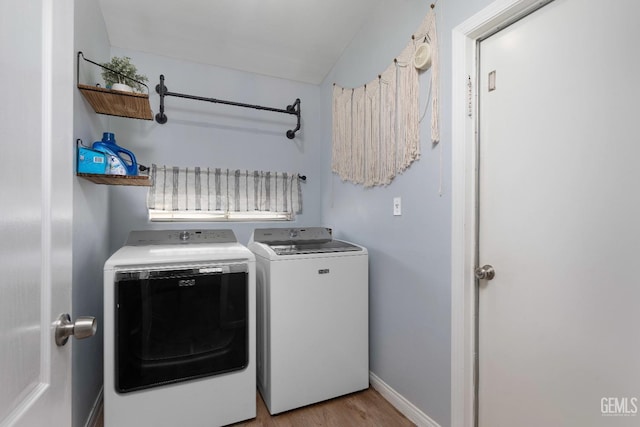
(178, 237)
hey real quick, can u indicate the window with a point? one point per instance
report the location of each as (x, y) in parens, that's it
(205, 194)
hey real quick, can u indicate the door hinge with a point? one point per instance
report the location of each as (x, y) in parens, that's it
(469, 97)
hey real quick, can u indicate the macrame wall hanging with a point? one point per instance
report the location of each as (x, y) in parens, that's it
(376, 126)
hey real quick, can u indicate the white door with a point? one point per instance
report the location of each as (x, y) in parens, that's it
(559, 194)
(36, 114)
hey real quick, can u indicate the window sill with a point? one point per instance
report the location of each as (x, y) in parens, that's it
(217, 216)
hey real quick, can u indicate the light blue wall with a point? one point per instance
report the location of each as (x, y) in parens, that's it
(214, 135)
(410, 263)
(90, 220)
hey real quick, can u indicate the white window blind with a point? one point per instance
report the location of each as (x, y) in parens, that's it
(215, 194)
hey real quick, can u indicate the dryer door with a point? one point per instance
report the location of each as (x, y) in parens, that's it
(180, 324)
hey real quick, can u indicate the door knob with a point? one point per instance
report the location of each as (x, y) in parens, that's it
(83, 327)
(485, 272)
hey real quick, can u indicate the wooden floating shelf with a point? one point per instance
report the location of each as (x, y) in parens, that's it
(138, 180)
(117, 103)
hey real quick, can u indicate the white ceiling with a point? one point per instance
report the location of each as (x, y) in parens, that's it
(293, 39)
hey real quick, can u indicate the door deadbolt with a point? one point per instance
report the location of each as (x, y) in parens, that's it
(485, 272)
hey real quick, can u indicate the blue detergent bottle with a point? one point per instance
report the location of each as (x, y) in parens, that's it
(120, 161)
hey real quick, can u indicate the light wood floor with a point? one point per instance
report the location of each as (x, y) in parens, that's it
(362, 409)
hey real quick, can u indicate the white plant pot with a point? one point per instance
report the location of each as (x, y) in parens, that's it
(121, 87)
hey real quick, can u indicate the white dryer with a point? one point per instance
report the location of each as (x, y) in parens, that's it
(312, 308)
(179, 330)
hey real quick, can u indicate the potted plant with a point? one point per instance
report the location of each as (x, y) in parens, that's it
(121, 74)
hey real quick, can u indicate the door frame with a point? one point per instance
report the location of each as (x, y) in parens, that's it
(465, 39)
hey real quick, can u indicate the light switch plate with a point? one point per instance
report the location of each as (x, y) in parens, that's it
(397, 206)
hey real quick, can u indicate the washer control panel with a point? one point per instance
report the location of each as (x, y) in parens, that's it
(292, 235)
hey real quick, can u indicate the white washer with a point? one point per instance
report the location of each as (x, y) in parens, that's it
(179, 330)
(313, 325)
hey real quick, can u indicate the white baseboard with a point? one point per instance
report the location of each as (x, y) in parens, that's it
(95, 410)
(405, 407)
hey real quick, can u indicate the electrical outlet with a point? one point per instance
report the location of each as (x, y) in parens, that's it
(397, 206)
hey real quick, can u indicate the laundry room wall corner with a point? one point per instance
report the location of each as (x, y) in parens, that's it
(410, 254)
(90, 222)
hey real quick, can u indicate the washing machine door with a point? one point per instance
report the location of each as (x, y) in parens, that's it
(179, 324)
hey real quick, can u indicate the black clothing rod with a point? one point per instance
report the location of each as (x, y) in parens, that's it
(162, 90)
(220, 101)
